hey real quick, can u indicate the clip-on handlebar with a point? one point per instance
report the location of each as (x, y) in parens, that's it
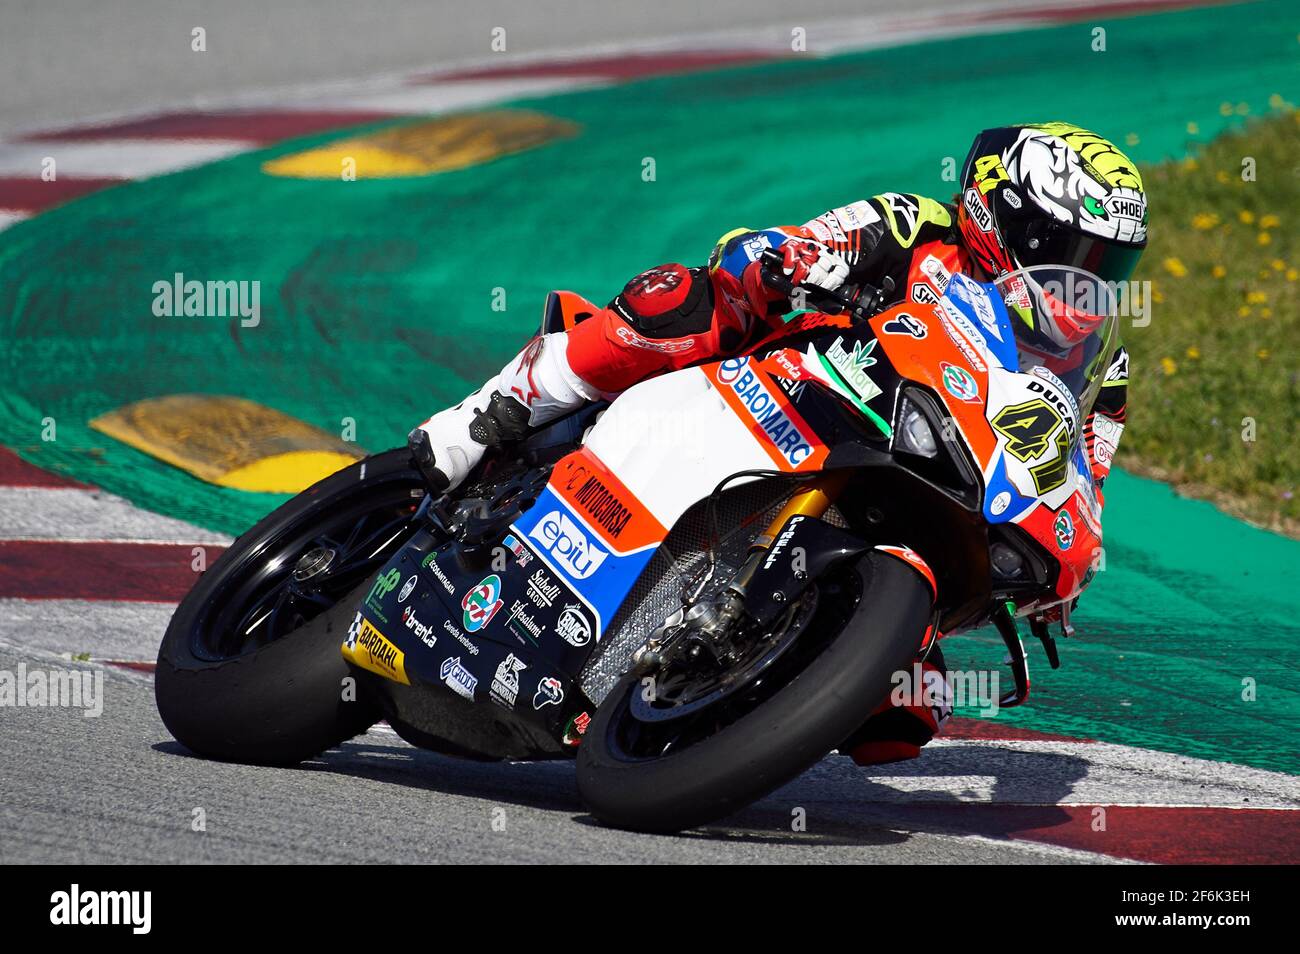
(868, 301)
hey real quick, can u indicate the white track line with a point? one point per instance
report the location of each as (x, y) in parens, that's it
(69, 513)
(447, 95)
(114, 158)
(106, 630)
(1073, 773)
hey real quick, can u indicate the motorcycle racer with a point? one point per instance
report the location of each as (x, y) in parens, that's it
(1049, 193)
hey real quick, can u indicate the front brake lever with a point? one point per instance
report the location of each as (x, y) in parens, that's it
(867, 302)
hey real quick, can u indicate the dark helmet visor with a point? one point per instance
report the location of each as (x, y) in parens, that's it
(1038, 240)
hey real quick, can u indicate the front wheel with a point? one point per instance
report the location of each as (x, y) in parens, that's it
(649, 771)
(250, 669)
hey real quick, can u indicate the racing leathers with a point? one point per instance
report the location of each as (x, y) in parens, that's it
(673, 316)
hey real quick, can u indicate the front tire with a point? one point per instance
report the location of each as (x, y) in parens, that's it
(817, 708)
(237, 685)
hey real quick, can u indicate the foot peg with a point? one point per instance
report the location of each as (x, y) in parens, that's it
(422, 454)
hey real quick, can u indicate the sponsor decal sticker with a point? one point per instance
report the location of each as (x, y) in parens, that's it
(368, 648)
(577, 728)
(505, 684)
(923, 294)
(603, 507)
(431, 564)
(905, 324)
(935, 270)
(572, 626)
(774, 552)
(384, 584)
(970, 291)
(568, 545)
(458, 678)
(422, 631)
(959, 383)
(550, 692)
(522, 623)
(1000, 503)
(481, 603)
(460, 637)
(755, 245)
(522, 556)
(852, 366)
(768, 412)
(858, 215)
(542, 590)
(1064, 530)
(963, 344)
(407, 587)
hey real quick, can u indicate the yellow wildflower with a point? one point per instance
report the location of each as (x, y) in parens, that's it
(1218, 271)
(1245, 216)
(1175, 267)
(1169, 366)
(1204, 221)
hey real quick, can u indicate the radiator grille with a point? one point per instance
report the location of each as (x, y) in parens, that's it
(743, 513)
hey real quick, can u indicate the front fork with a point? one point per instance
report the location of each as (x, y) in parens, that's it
(716, 618)
(813, 499)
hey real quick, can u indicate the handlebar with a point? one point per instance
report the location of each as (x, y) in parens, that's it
(868, 301)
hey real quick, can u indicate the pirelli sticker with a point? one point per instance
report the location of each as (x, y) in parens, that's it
(368, 648)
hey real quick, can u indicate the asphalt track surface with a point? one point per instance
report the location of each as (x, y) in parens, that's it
(67, 60)
(117, 789)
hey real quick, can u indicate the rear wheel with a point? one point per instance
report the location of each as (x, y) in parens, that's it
(250, 668)
(701, 750)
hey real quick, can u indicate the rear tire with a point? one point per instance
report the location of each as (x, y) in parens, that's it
(771, 744)
(281, 702)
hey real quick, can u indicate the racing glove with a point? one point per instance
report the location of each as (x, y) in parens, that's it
(811, 263)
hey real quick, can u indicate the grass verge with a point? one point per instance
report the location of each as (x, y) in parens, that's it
(1214, 395)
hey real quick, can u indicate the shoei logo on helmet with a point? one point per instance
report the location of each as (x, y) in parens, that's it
(1126, 207)
(978, 211)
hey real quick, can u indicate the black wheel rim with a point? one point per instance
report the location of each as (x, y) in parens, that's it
(260, 601)
(631, 739)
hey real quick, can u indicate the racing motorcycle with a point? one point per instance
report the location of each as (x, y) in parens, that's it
(698, 589)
